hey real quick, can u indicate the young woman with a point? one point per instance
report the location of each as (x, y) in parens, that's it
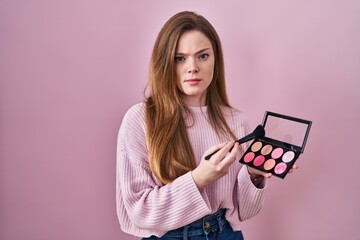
(165, 187)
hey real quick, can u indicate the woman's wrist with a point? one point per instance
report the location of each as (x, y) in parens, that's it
(198, 180)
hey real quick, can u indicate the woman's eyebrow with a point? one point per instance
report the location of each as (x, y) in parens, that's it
(197, 52)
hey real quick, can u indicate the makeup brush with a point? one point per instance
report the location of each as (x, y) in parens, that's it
(259, 132)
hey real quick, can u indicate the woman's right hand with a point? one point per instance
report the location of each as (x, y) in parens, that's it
(217, 166)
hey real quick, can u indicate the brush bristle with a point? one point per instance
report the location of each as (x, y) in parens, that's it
(259, 132)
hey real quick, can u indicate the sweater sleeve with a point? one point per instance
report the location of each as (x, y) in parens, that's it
(142, 202)
(250, 198)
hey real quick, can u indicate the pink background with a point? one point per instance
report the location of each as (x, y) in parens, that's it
(70, 69)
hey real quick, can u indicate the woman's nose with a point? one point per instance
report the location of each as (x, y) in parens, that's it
(193, 66)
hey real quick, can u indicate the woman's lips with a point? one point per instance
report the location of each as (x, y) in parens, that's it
(193, 80)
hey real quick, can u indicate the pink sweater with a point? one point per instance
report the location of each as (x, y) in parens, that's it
(146, 208)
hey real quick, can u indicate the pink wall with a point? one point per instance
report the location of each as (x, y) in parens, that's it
(70, 69)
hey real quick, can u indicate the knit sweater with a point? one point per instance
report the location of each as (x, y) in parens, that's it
(145, 207)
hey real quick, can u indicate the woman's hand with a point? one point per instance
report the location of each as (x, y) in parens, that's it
(217, 166)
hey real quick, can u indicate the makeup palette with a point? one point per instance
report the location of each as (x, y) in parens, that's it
(284, 141)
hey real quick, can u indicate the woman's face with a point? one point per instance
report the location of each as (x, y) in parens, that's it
(194, 64)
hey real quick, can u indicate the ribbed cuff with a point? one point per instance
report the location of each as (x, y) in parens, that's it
(250, 197)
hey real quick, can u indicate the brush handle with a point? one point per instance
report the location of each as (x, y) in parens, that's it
(210, 155)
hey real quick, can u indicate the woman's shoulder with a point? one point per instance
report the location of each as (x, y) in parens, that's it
(135, 111)
(134, 119)
(132, 135)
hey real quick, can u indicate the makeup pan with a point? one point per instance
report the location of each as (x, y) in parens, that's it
(284, 141)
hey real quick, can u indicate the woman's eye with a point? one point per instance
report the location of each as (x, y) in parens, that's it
(179, 59)
(204, 56)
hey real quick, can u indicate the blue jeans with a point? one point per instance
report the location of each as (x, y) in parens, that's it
(210, 227)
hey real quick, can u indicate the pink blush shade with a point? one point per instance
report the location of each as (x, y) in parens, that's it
(280, 168)
(277, 153)
(259, 160)
(249, 157)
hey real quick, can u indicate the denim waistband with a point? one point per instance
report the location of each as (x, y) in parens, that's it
(205, 225)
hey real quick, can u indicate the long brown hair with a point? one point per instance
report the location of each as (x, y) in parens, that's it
(170, 151)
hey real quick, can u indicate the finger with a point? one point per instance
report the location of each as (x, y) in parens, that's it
(214, 148)
(267, 175)
(293, 168)
(236, 148)
(220, 155)
(258, 172)
(232, 156)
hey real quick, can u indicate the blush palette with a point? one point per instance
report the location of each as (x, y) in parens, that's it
(284, 141)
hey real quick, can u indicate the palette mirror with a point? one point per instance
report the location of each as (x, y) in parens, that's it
(288, 130)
